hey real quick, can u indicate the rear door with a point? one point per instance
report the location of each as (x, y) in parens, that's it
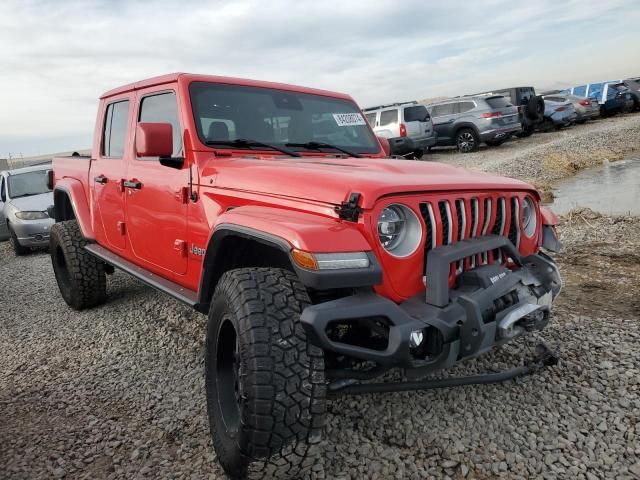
(388, 123)
(443, 116)
(156, 198)
(417, 121)
(108, 170)
(4, 230)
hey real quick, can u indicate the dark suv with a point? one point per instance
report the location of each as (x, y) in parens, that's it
(530, 106)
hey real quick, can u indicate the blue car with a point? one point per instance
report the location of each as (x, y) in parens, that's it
(611, 98)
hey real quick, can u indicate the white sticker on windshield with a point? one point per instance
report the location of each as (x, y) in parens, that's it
(349, 119)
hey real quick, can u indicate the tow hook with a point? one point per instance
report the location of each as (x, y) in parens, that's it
(544, 357)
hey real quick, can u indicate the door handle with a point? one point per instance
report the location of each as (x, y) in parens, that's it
(132, 184)
(100, 179)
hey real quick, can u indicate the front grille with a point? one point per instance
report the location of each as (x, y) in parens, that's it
(449, 221)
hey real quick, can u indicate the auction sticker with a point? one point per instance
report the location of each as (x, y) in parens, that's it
(349, 119)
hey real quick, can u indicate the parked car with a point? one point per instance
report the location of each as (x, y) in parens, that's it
(530, 106)
(586, 109)
(634, 89)
(630, 97)
(466, 122)
(407, 126)
(558, 114)
(24, 198)
(610, 99)
(311, 268)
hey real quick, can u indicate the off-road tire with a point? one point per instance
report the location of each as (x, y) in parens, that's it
(467, 140)
(80, 275)
(534, 109)
(269, 423)
(15, 243)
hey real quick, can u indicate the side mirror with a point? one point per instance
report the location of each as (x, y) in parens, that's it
(384, 143)
(154, 139)
(50, 179)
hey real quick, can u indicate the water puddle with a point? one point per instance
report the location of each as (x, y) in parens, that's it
(613, 189)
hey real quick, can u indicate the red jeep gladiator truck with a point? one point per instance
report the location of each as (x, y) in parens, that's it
(320, 262)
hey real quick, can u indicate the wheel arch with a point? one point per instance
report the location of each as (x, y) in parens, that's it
(235, 246)
(70, 203)
(465, 125)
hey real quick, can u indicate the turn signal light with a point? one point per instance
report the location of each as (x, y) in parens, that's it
(330, 261)
(403, 130)
(304, 259)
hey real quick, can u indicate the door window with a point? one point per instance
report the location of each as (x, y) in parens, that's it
(465, 106)
(371, 118)
(163, 108)
(115, 129)
(444, 109)
(388, 117)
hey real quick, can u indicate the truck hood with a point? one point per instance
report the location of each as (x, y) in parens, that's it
(330, 180)
(33, 203)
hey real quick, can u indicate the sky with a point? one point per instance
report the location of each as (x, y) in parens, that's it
(57, 57)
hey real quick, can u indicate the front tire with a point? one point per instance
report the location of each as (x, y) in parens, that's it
(80, 276)
(15, 243)
(265, 384)
(467, 141)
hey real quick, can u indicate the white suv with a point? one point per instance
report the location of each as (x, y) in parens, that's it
(407, 126)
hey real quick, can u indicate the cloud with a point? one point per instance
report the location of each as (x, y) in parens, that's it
(59, 56)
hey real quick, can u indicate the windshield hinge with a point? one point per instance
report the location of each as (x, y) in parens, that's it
(350, 210)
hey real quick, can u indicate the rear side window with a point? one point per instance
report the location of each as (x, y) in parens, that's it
(581, 90)
(417, 113)
(163, 108)
(465, 106)
(388, 117)
(498, 102)
(441, 110)
(115, 129)
(371, 118)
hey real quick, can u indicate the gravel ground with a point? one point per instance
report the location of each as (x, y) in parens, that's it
(546, 157)
(118, 392)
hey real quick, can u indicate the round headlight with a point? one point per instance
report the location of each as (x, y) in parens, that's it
(529, 217)
(399, 230)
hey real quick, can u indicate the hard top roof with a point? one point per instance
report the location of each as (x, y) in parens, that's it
(191, 77)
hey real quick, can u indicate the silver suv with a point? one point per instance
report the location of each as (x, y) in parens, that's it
(407, 126)
(466, 122)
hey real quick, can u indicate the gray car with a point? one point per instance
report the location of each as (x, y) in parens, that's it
(466, 122)
(24, 199)
(586, 109)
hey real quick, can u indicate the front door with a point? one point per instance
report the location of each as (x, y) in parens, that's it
(156, 195)
(4, 230)
(108, 170)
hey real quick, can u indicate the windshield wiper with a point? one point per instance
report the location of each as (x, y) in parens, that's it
(319, 145)
(243, 142)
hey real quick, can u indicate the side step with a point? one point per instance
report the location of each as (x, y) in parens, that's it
(167, 286)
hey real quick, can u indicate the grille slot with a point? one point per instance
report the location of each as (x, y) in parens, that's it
(445, 218)
(514, 226)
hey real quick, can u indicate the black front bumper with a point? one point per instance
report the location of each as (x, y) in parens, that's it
(490, 305)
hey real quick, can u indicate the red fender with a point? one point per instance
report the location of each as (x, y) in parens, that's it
(74, 190)
(548, 217)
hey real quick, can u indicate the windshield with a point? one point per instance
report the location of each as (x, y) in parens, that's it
(278, 117)
(29, 183)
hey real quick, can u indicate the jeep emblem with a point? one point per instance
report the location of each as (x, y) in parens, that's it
(196, 250)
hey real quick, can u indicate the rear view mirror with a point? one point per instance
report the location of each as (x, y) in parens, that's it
(154, 139)
(384, 143)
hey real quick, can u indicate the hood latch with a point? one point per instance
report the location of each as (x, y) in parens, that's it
(350, 210)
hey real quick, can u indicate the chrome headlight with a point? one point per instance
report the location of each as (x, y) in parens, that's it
(399, 230)
(32, 215)
(529, 217)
